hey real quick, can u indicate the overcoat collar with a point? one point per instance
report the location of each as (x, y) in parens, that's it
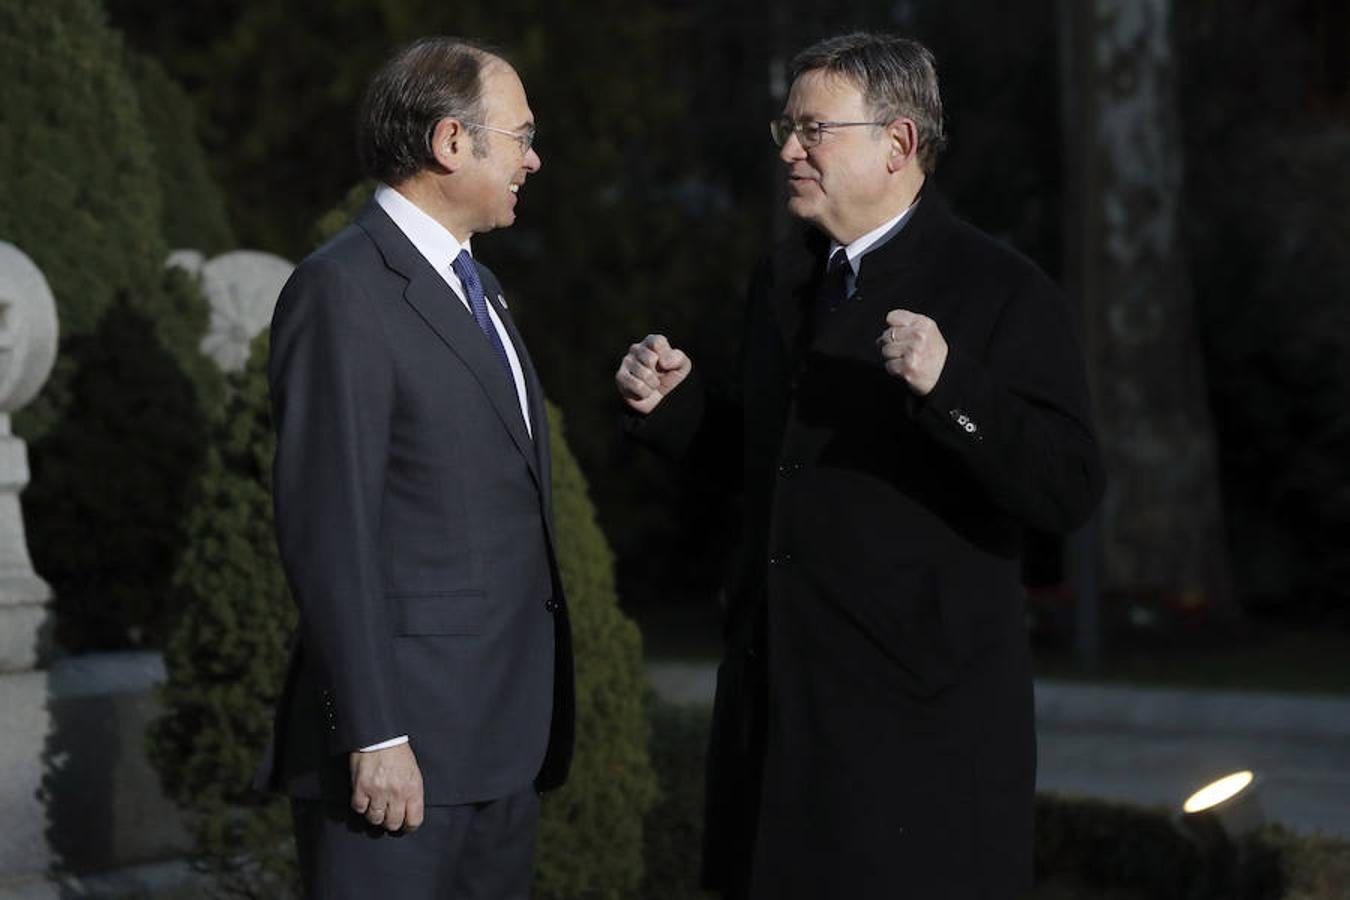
(429, 295)
(800, 263)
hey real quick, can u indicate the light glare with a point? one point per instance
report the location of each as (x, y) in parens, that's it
(1213, 794)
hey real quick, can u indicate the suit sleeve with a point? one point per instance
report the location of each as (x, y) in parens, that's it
(1018, 413)
(332, 386)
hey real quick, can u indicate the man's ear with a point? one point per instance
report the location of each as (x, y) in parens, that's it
(449, 143)
(904, 140)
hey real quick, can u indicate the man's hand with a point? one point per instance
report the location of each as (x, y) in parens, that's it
(387, 787)
(913, 349)
(649, 371)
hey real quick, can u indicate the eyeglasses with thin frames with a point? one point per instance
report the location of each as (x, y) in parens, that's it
(524, 138)
(809, 134)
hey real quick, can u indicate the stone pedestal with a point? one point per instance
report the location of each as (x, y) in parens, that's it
(27, 352)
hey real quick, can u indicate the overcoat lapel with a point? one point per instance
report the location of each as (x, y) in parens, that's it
(436, 303)
(892, 274)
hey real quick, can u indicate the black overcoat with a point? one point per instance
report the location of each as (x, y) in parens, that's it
(873, 727)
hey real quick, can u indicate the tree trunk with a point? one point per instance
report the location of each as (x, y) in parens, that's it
(1161, 533)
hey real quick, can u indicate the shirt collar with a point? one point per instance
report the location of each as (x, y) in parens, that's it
(873, 238)
(430, 237)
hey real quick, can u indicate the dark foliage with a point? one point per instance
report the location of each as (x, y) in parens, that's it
(1270, 220)
(115, 437)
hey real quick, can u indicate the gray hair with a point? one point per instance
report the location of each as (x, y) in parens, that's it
(429, 80)
(897, 77)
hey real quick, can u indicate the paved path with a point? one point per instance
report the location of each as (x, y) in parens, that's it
(1155, 746)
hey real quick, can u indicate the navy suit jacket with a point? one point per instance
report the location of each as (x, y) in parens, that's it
(414, 522)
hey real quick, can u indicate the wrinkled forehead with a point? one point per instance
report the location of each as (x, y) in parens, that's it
(824, 96)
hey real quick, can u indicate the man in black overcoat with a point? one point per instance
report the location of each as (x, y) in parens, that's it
(911, 401)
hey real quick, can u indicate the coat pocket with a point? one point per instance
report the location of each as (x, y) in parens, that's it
(465, 611)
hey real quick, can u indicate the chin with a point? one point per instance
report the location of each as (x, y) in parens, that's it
(802, 208)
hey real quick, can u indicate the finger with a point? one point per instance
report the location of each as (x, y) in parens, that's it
(631, 387)
(375, 815)
(657, 342)
(416, 811)
(645, 356)
(394, 816)
(673, 360)
(901, 318)
(646, 372)
(894, 351)
(360, 801)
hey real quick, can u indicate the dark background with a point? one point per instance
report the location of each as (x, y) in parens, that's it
(659, 190)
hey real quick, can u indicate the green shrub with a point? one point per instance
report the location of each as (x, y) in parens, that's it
(193, 208)
(673, 832)
(227, 654)
(590, 838)
(117, 435)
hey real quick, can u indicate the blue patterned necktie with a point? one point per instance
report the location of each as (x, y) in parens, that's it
(473, 289)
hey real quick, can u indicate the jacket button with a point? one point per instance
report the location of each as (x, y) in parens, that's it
(551, 605)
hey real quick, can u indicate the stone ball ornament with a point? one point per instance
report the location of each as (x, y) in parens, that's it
(28, 329)
(242, 287)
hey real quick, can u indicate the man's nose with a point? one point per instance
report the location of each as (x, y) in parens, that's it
(532, 160)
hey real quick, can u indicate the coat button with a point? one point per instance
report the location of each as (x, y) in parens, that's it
(551, 605)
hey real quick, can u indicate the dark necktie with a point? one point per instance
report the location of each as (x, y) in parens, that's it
(473, 289)
(833, 287)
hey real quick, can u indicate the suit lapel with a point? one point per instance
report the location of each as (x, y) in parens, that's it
(534, 390)
(433, 300)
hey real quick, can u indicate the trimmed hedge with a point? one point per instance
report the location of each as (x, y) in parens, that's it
(192, 213)
(227, 655)
(117, 436)
(1085, 849)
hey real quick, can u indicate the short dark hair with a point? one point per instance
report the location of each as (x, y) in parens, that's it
(431, 79)
(897, 77)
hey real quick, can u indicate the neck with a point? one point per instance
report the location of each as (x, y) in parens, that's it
(425, 191)
(902, 199)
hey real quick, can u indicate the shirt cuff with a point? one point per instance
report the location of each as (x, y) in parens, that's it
(383, 745)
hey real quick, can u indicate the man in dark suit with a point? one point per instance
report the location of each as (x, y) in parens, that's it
(911, 401)
(429, 694)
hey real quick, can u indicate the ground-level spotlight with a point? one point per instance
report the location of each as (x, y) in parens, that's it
(1218, 818)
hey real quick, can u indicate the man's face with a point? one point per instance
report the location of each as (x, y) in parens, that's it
(491, 181)
(839, 184)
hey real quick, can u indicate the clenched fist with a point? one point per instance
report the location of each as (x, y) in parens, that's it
(650, 370)
(387, 788)
(913, 349)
